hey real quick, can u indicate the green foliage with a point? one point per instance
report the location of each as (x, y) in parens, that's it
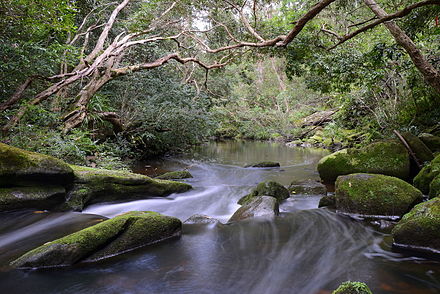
(163, 113)
(352, 288)
(260, 101)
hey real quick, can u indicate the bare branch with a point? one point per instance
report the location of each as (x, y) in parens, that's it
(104, 34)
(300, 24)
(388, 17)
(17, 94)
(245, 21)
(334, 34)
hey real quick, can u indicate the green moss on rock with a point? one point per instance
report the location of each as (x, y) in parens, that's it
(375, 195)
(431, 141)
(175, 175)
(24, 168)
(386, 157)
(427, 174)
(40, 197)
(96, 185)
(421, 151)
(352, 288)
(420, 228)
(270, 188)
(434, 187)
(111, 237)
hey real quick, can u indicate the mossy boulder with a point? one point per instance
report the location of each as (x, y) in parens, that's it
(111, 237)
(431, 141)
(264, 164)
(434, 187)
(175, 175)
(309, 187)
(421, 151)
(24, 168)
(386, 157)
(420, 228)
(256, 207)
(427, 174)
(40, 197)
(270, 188)
(92, 185)
(352, 288)
(375, 195)
(327, 201)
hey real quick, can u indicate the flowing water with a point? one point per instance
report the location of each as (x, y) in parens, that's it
(303, 251)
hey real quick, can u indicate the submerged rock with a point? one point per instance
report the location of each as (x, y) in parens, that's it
(420, 228)
(256, 207)
(40, 197)
(270, 188)
(428, 173)
(309, 187)
(387, 157)
(264, 164)
(111, 237)
(421, 151)
(24, 168)
(375, 195)
(92, 185)
(352, 288)
(327, 201)
(201, 219)
(175, 175)
(431, 141)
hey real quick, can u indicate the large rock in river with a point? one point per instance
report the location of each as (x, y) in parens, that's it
(420, 228)
(39, 197)
(386, 157)
(24, 168)
(423, 180)
(309, 187)
(375, 195)
(256, 207)
(111, 237)
(92, 185)
(270, 188)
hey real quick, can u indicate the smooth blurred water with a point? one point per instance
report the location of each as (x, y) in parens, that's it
(304, 251)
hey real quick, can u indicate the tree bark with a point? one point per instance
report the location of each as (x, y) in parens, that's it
(429, 72)
(17, 95)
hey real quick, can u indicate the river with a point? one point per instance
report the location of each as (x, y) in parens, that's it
(303, 251)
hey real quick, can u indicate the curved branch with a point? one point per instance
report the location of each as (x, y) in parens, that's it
(399, 14)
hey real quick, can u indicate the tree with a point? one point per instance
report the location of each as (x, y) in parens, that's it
(161, 21)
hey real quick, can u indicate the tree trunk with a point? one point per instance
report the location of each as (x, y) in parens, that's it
(429, 72)
(17, 95)
(77, 116)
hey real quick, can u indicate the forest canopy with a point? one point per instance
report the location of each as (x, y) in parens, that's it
(97, 77)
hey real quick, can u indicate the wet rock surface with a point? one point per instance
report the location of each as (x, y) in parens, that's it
(258, 206)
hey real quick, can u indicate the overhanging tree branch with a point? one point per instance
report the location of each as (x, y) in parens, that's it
(385, 18)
